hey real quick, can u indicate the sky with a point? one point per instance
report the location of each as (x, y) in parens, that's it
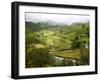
(57, 18)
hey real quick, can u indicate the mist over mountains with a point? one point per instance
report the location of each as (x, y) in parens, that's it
(49, 23)
(55, 19)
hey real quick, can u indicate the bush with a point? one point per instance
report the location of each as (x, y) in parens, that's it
(38, 57)
(85, 57)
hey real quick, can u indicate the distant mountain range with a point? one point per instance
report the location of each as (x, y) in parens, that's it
(50, 23)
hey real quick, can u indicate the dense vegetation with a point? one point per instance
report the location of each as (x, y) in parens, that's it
(50, 45)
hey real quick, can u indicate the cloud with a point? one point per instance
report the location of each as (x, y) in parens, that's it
(58, 18)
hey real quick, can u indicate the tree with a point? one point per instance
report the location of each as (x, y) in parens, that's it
(79, 42)
(76, 42)
(39, 57)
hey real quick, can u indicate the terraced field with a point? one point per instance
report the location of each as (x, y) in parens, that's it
(72, 54)
(56, 45)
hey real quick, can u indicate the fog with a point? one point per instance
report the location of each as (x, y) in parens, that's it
(57, 18)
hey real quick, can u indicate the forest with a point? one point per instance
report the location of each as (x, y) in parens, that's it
(56, 45)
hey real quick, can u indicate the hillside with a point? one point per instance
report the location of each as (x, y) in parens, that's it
(53, 38)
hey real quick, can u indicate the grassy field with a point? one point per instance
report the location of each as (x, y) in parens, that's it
(73, 54)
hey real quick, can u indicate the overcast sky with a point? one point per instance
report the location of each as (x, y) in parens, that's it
(58, 18)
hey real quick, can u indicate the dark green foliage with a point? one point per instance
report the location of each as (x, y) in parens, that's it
(66, 62)
(63, 62)
(76, 43)
(31, 38)
(85, 57)
(70, 63)
(39, 57)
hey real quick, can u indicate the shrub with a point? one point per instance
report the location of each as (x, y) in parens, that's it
(38, 57)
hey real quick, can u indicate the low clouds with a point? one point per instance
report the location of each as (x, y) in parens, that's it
(58, 18)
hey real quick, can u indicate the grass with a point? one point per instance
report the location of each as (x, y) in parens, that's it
(74, 54)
